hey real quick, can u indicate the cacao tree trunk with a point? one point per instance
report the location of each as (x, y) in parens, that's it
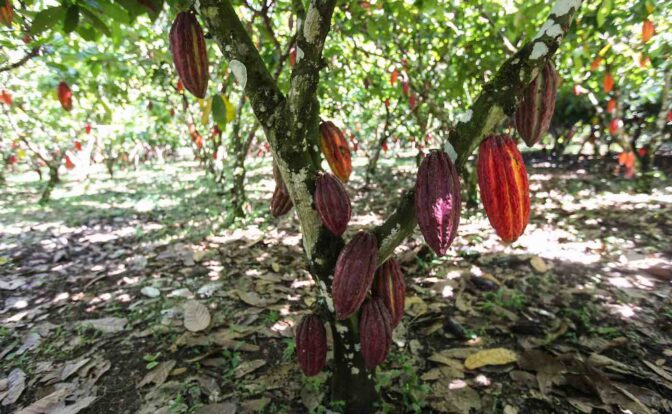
(373, 162)
(53, 180)
(109, 166)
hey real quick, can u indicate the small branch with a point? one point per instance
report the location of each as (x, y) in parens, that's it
(33, 52)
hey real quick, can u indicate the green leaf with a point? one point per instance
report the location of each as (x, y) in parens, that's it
(46, 19)
(96, 22)
(71, 20)
(219, 110)
(116, 13)
(604, 11)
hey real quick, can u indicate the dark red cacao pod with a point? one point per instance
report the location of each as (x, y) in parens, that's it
(336, 151)
(502, 180)
(281, 203)
(437, 201)
(388, 284)
(535, 111)
(7, 13)
(375, 332)
(187, 44)
(354, 272)
(65, 96)
(332, 203)
(311, 345)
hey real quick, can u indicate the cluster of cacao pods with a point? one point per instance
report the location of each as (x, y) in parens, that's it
(187, 45)
(64, 95)
(7, 13)
(378, 295)
(336, 151)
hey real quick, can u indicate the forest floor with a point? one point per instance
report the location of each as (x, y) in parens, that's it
(101, 289)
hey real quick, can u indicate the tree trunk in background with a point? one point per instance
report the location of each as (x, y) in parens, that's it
(109, 165)
(53, 180)
(471, 179)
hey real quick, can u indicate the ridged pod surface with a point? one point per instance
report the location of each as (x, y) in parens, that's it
(535, 111)
(64, 95)
(332, 203)
(375, 332)
(311, 345)
(7, 13)
(187, 44)
(354, 272)
(281, 203)
(502, 180)
(388, 284)
(336, 151)
(438, 201)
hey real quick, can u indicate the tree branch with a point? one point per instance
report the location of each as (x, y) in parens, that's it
(33, 52)
(498, 100)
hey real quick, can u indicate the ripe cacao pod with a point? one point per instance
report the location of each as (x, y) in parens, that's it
(335, 149)
(87, 128)
(354, 272)
(332, 203)
(611, 105)
(68, 163)
(614, 126)
(7, 13)
(311, 345)
(608, 82)
(6, 97)
(535, 111)
(187, 44)
(281, 203)
(65, 96)
(437, 201)
(388, 284)
(502, 180)
(375, 332)
(648, 30)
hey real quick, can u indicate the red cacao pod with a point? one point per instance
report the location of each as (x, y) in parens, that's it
(11, 160)
(78, 145)
(335, 149)
(311, 345)
(375, 332)
(281, 203)
(87, 128)
(437, 201)
(332, 203)
(7, 13)
(6, 97)
(187, 44)
(611, 105)
(648, 30)
(388, 284)
(68, 163)
(65, 96)
(608, 82)
(534, 114)
(354, 272)
(502, 179)
(614, 126)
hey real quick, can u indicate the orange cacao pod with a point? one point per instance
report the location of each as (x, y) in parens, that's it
(437, 201)
(611, 105)
(187, 44)
(502, 180)
(375, 332)
(281, 203)
(608, 82)
(648, 30)
(332, 203)
(388, 284)
(535, 111)
(7, 13)
(311, 345)
(353, 274)
(335, 149)
(65, 96)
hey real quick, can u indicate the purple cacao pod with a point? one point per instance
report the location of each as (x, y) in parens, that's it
(375, 332)
(354, 272)
(535, 111)
(388, 284)
(281, 203)
(332, 203)
(311, 345)
(437, 201)
(187, 44)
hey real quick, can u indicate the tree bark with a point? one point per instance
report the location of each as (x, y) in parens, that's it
(53, 180)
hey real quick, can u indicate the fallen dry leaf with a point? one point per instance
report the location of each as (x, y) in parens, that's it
(196, 316)
(495, 356)
(158, 375)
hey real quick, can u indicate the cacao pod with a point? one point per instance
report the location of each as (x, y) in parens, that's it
(6, 97)
(614, 126)
(187, 44)
(7, 13)
(648, 30)
(388, 284)
(608, 82)
(611, 105)
(353, 274)
(375, 332)
(437, 201)
(281, 203)
(65, 96)
(68, 163)
(311, 345)
(335, 150)
(595, 64)
(332, 203)
(502, 180)
(535, 111)
(87, 128)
